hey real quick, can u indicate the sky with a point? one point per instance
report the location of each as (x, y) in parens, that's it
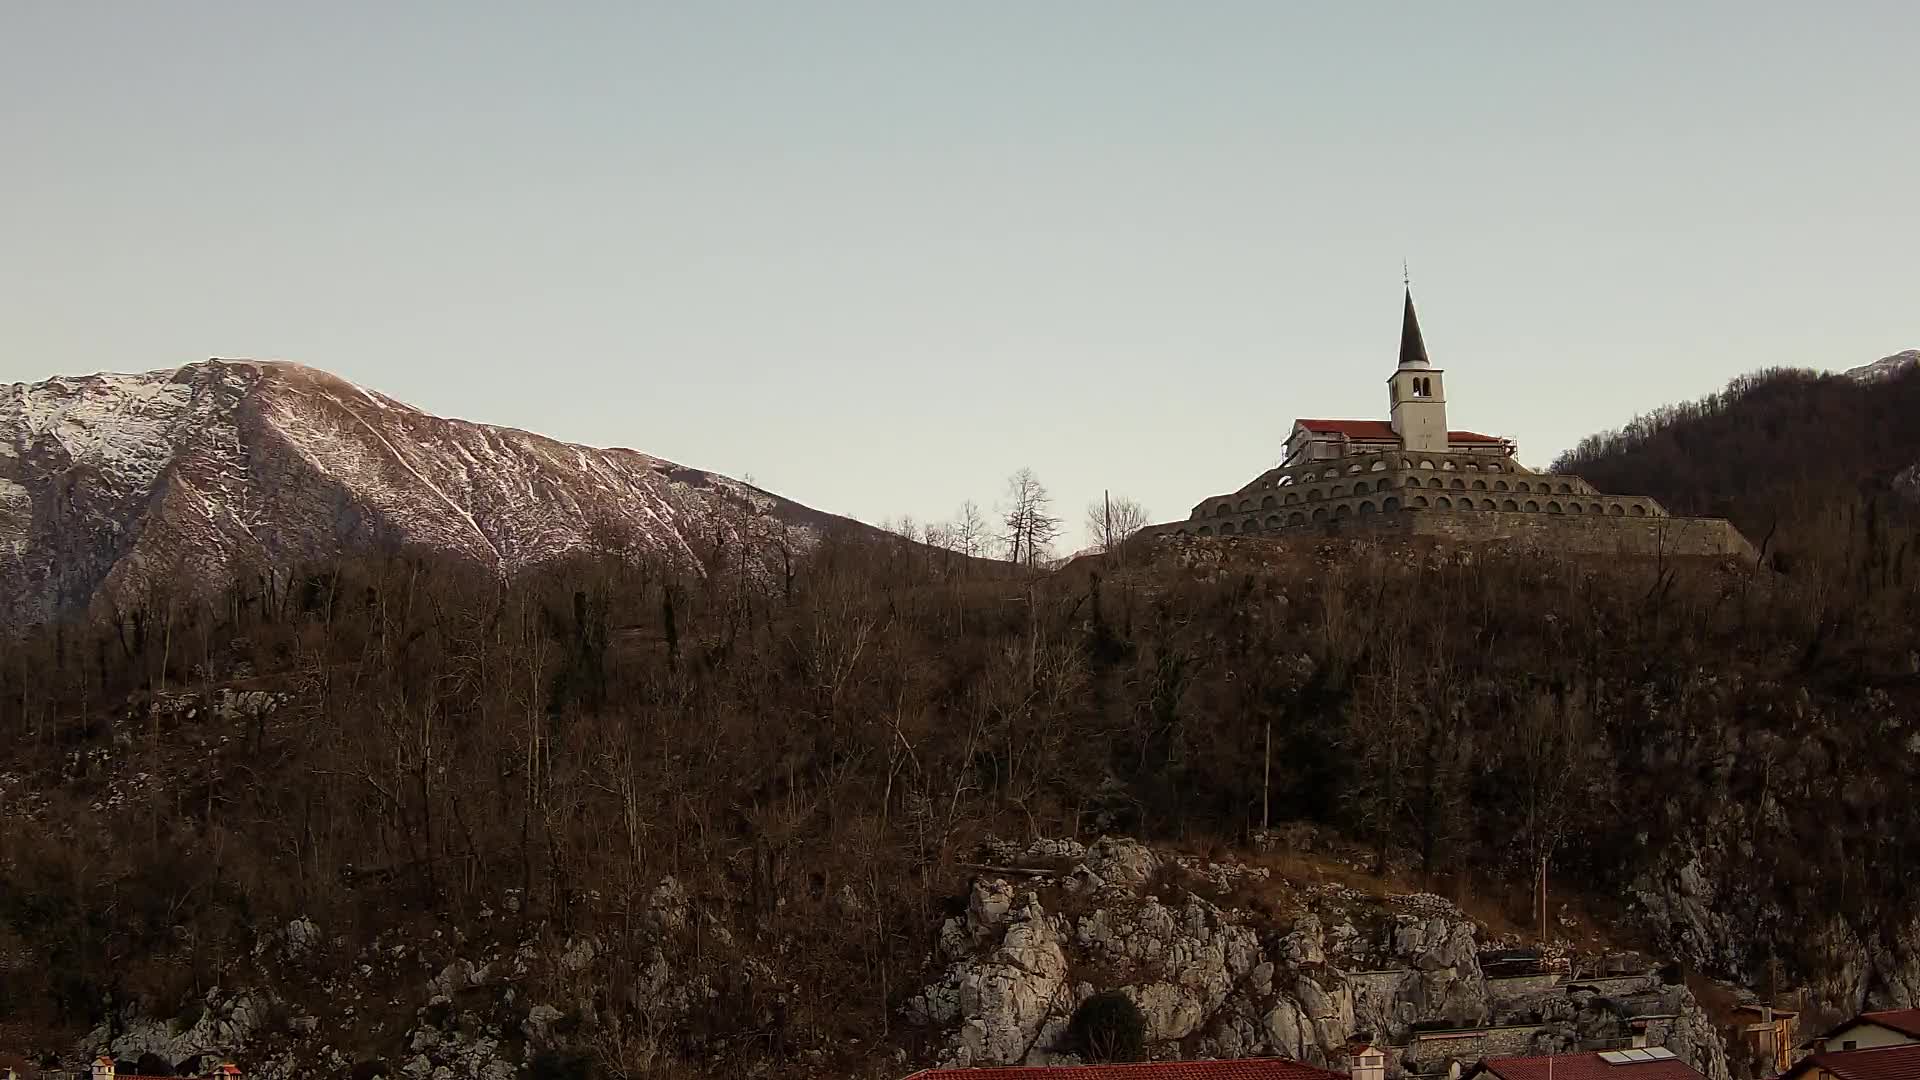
(878, 254)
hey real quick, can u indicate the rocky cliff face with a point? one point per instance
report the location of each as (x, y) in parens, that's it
(1322, 965)
(1296, 973)
(114, 484)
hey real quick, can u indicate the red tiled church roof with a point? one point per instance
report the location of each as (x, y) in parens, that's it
(1882, 1063)
(1383, 430)
(1590, 1066)
(1249, 1069)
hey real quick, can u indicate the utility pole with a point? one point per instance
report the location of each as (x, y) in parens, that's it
(1266, 779)
(1543, 899)
(1106, 535)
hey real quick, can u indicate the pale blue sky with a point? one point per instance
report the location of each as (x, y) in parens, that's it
(880, 254)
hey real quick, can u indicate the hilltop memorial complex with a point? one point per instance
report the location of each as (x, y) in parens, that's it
(1411, 475)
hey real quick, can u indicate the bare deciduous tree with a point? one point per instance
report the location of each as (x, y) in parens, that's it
(1112, 521)
(970, 533)
(1030, 526)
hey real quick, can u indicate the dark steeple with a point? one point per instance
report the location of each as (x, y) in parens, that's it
(1413, 350)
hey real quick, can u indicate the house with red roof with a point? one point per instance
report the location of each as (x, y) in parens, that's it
(1643, 1063)
(1243, 1069)
(105, 1068)
(1872, 1031)
(1899, 1061)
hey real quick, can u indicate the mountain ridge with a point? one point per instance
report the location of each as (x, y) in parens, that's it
(1886, 367)
(110, 483)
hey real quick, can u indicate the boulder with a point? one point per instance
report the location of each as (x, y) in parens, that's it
(1119, 860)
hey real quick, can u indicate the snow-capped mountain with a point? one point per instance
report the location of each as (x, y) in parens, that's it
(111, 482)
(1886, 367)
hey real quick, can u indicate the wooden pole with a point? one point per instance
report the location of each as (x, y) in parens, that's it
(1266, 779)
(1543, 899)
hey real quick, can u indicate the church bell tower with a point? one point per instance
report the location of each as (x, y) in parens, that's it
(1417, 393)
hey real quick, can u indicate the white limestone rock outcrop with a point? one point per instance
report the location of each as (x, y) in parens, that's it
(1312, 967)
(1003, 999)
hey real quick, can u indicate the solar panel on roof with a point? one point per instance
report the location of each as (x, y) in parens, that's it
(1614, 1057)
(1659, 1053)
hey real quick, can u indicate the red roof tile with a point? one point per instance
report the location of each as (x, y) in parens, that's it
(1589, 1066)
(1904, 1021)
(1884, 1063)
(1383, 430)
(1248, 1069)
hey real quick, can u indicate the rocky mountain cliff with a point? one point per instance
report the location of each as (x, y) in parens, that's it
(1222, 958)
(111, 485)
(1886, 367)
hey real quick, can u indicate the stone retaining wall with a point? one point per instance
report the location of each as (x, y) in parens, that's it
(1583, 535)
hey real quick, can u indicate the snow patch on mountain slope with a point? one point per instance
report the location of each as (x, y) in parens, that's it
(106, 480)
(1886, 367)
(123, 425)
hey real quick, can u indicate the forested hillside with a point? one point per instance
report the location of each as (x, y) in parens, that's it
(1786, 452)
(712, 822)
(404, 743)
